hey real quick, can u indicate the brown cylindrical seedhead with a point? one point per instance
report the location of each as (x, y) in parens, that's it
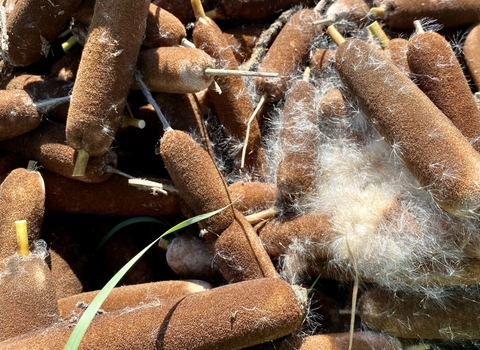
(179, 70)
(432, 148)
(18, 114)
(439, 75)
(163, 28)
(22, 197)
(471, 46)
(198, 180)
(100, 90)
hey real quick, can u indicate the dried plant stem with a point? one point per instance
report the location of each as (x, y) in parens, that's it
(198, 9)
(81, 163)
(261, 216)
(335, 35)
(379, 34)
(22, 237)
(418, 27)
(247, 132)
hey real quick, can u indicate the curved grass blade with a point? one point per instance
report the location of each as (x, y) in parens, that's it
(87, 316)
(126, 223)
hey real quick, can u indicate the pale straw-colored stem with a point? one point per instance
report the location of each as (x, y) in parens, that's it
(22, 237)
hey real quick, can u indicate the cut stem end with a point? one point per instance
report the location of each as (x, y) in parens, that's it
(81, 163)
(22, 237)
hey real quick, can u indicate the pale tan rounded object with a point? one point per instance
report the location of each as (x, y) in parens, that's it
(471, 47)
(179, 70)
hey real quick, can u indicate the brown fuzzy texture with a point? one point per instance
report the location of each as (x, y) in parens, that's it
(130, 296)
(178, 70)
(65, 280)
(339, 341)
(400, 14)
(252, 197)
(453, 319)
(22, 197)
(277, 235)
(333, 105)
(163, 28)
(432, 148)
(46, 144)
(28, 301)
(288, 52)
(197, 179)
(439, 75)
(124, 329)
(44, 88)
(397, 49)
(233, 104)
(33, 24)
(233, 316)
(190, 256)
(240, 254)
(256, 10)
(355, 11)
(183, 112)
(182, 9)
(100, 91)
(471, 47)
(298, 140)
(242, 40)
(322, 61)
(66, 67)
(103, 198)
(18, 114)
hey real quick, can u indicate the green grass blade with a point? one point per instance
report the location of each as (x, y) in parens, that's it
(127, 222)
(87, 316)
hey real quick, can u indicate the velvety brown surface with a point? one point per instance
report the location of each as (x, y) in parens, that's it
(131, 296)
(355, 11)
(198, 180)
(100, 91)
(242, 40)
(18, 114)
(251, 197)
(471, 47)
(163, 28)
(32, 24)
(388, 311)
(339, 341)
(299, 142)
(178, 70)
(27, 296)
(182, 9)
(233, 106)
(22, 197)
(433, 149)
(111, 197)
(439, 75)
(128, 329)
(289, 51)
(321, 61)
(233, 316)
(397, 49)
(46, 145)
(333, 105)
(256, 10)
(400, 14)
(240, 254)
(277, 235)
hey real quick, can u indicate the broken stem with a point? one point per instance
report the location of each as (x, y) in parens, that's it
(261, 216)
(22, 237)
(379, 34)
(247, 132)
(81, 163)
(335, 35)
